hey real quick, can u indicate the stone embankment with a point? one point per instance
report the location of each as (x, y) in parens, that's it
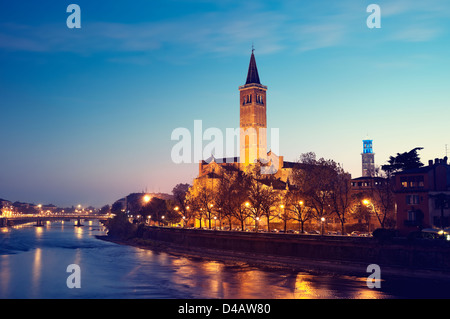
(311, 252)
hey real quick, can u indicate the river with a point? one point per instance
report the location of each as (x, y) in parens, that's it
(34, 261)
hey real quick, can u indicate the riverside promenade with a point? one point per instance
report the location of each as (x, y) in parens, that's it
(397, 256)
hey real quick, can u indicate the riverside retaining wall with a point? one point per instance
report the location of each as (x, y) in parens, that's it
(433, 255)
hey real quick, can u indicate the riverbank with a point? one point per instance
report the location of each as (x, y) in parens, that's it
(277, 261)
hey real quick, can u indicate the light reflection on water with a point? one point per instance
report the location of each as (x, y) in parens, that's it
(33, 263)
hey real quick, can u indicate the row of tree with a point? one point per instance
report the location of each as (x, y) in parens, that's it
(318, 189)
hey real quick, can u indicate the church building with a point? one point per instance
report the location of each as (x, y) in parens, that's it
(252, 139)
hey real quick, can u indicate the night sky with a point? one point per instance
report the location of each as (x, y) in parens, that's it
(87, 114)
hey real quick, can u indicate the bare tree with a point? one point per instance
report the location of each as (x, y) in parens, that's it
(224, 197)
(205, 198)
(341, 196)
(262, 197)
(180, 192)
(316, 180)
(240, 196)
(284, 213)
(296, 204)
(382, 191)
(270, 199)
(194, 204)
(255, 201)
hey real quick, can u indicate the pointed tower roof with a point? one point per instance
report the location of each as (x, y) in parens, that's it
(252, 75)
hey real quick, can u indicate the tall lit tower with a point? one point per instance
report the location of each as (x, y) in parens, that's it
(368, 159)
(253, 124)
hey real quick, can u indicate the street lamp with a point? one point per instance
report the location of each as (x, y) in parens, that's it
(256, 224)
(368, 203)
(323, 221)
(284, 217)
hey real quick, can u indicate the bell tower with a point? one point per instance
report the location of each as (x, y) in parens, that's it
(368, 159)
(253, 124)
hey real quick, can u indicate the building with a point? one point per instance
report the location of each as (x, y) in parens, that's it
(366, 183)
(5, 207)
(422, 197)
(368, 159)
(253, 137)
(276, 173)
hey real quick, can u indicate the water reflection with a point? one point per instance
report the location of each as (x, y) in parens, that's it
(239, 280)
(5, 274)
(303, 288)
(39, 230)
(78, 232)
(36, 272)
(33, 263)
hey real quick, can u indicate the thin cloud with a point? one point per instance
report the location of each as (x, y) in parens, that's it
(417, 34)
(313, 37)
(303, 26)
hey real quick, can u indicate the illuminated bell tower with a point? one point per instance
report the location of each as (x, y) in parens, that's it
(253, 124)
(368, 159)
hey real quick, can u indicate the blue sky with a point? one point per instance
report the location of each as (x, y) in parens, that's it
(87, 114)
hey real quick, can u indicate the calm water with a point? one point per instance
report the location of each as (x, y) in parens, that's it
(33, 263)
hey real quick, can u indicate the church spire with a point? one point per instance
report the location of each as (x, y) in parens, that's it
(252, 75)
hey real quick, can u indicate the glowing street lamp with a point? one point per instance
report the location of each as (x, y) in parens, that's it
(284, 217)
(323, 222)
(368, 203)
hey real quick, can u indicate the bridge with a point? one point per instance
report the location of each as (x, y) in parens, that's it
(40, 220)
